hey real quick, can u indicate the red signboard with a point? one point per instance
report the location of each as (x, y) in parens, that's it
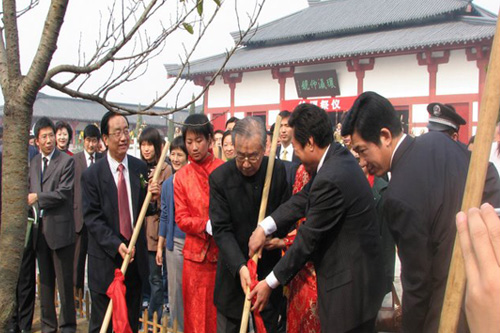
(329, 104)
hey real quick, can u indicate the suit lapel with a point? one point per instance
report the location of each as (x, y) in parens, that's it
(36, 173)
(403, 147)
(109, 185)
(135, 183)
(81, 159)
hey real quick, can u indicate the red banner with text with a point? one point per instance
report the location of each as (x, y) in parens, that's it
(329, 104)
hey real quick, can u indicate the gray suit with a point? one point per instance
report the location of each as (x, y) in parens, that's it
(81, 241)
(54, 237)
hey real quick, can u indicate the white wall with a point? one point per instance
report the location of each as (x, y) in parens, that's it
(419, 113)
(398, 76)
(219, 95)
(458, 76)
(257, 88)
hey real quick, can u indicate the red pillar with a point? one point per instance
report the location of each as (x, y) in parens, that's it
(354, 65)
(231, 79)
(481, 56)
(426, 59)
(281, 76)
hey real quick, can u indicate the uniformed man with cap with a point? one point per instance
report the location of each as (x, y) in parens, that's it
(444, 118)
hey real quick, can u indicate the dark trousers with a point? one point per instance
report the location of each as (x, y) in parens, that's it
(269, 316)
(81, 245)
(366, 327)
(56, 264)
(132, 296)
(25, 293)
(156, 287)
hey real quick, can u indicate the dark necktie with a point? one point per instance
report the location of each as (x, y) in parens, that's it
(91, 159)
(45, 163)
(123, 206)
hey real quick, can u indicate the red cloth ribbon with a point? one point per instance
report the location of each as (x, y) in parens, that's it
(259, 323)
(116, 292)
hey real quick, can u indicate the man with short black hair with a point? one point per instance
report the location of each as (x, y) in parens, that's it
(83, 160)
(114, 189)
(340, 234)
(285, 150)
(428, 176)
(51, 179)
(230, 123)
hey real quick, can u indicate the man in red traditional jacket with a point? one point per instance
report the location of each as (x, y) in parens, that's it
(191, 194)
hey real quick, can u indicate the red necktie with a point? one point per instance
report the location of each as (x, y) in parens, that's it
(123, 207)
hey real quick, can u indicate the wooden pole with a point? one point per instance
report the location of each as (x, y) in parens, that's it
(135, 234)
(262, 213)
(476, 177)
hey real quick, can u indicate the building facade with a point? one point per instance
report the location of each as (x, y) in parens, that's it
(412, 52)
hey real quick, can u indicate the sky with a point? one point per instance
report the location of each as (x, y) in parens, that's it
(81, 30)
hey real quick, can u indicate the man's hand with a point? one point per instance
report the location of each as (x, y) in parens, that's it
(262, 291)
(155, 190)
(32, 198)
(274, 243)
(123, 250)
(256, 242)
(245, 279)
(479, 235)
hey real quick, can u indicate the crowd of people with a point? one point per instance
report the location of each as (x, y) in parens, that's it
(341, 201)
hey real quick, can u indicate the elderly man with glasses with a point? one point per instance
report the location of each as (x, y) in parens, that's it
(235, 196)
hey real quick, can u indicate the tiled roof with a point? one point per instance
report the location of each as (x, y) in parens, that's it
(462, 30)
(66, 108)
(334, 17)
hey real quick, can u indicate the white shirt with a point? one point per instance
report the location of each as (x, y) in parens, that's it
(494, 158)
(113, 166)
(87, 158)
(289, 153)
(269, 226)
(389, 174)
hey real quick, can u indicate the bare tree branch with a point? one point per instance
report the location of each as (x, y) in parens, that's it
(136, 62)
(47, 46)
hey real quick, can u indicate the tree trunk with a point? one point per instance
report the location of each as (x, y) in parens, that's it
(17, 121)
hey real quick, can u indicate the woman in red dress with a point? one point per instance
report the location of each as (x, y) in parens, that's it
(302, 307)
(191, 196)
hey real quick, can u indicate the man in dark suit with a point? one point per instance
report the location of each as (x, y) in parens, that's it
(114, 189)
(83, 160)
(340, 234)
(285, 150)
(235, 197)
(51, 191)
(425, 191)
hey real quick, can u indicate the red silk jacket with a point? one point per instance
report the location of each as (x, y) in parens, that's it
(191, 196)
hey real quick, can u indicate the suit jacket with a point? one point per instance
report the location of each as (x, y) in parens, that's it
(295, 158)
(234, 209)
(80, 167)
(424, 194)
(100, 213)
(341, 236)
(56, 199)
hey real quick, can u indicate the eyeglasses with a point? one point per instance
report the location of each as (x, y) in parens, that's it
(119, 133)
(47, 136)
(254, 158)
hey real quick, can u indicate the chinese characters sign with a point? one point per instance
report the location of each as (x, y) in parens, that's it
(333, 104)
(312, 84)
